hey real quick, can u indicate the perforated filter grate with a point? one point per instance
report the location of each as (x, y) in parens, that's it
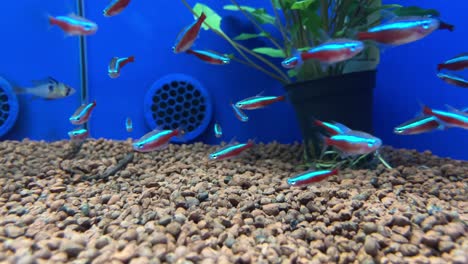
(8, 107)
(178, 101)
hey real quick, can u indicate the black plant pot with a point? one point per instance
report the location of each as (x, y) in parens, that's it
(346, 98)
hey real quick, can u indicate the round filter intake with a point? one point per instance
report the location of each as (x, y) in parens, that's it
(178, 101)
(8, 107)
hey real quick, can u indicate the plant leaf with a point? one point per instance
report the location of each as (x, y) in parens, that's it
(276, 4)
(292, 73)
(212, 18)
(302, 5)
(274, 53)
(259, 14)
(415, 11)
(245, 36)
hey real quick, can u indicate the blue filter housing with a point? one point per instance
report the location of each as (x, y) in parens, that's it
(8, 107)
(178, 101)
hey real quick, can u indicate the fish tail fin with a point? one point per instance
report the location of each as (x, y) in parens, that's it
(440, 66)
(282, 97)
(20, 90)
(52, 20)
(202, 17)
(335, 171)
(131, 58)
(426, 110)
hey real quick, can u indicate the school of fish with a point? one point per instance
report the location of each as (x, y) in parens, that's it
(350, 143)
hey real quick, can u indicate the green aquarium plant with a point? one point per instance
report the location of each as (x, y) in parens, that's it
(298, 25)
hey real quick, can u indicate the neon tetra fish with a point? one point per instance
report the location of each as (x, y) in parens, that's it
(453, 79)
(457, 63)
(230, 151)
(48, 89)
(156, 140)
(401, 30)
(354, 143)
(83, 113)
(78, 134)
(116, 65)
(418, 125)
(331, 51)
(128, 124)
(451, 118)
(74, 25)
(256, 102)
(239, 113)
(188, 36)
(310, 176)
(217, 130)
(210, 57)
(115, 7)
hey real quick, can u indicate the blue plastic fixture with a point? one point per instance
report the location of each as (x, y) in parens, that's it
(8, 107)
(178, 101)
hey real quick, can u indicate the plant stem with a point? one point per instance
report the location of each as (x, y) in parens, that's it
(273, 40)
(260, 69)
(280, 26)
(283, 78)
(324, 6)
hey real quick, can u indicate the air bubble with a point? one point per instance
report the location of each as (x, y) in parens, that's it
(181, 90)
(167, 119)
(171, 102)
(163, 105)
(180, 99)
(174, 84)
(190, 87)
(170, 111)
(173, 93)
(166, 87)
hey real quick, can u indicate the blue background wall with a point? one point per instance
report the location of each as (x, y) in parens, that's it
(147, 31)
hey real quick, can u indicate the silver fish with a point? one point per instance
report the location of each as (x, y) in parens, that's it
(48, 89)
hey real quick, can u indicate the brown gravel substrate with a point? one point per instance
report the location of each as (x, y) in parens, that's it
(173, 207)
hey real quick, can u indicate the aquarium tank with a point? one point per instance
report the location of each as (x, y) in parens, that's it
(234, 131)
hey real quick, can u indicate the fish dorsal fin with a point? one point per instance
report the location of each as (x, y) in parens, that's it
(359, 134)
(463, 54)
(455, 110)
(150, 134)
(323, 36)
(342, 127)
(79, 18)
(52, 80)
(48, 80)
(388, 16)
